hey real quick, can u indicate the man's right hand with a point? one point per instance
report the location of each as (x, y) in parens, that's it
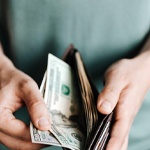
(16, 90)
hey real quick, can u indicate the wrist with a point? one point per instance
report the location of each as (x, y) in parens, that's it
(142, 61)
(144, 57)
(5, 63)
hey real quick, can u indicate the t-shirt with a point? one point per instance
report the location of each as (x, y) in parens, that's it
(103, 32)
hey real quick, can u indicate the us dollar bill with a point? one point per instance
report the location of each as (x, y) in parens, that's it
(63, 102)
(43, 137)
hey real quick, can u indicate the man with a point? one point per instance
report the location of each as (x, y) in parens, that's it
(105, 32)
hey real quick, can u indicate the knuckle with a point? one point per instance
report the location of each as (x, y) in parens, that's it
(4, 119)
(121, 140)
(124, 61)
(110, 94)
(117, 73)
(118, 67)
(125, 114)
(112, 99)
(25, 83)
(34, 103)
(26, 87)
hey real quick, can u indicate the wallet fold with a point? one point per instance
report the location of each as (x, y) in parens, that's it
(100, 134)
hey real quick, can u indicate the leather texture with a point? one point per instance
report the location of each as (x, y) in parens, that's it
(99, 136)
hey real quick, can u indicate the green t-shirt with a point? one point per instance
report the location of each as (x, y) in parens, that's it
(103, 31)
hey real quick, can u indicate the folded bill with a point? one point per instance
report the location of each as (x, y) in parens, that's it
(60, 92)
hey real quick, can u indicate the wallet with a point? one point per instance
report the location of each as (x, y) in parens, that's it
(99, 134)
(88, 129)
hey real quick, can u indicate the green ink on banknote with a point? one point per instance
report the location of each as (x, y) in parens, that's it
(65, 89)
(76, 136)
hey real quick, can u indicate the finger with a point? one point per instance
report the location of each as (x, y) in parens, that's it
(118, 135)
(109, 96)
(37, 109)
(17, 144)
(8, 123)
(12, 126)
(125, 145)
(124, 114)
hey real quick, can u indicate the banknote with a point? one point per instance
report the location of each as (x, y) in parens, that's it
(43, 137)
(63, 101)
(91, 114)
(70, 97)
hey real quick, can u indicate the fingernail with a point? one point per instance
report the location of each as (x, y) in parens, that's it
(43, 122)
(106, 106)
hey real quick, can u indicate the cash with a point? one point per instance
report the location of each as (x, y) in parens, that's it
(60, 92)
(70, 98)
(91, 114)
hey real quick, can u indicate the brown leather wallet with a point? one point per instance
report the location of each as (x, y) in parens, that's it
(98, 137)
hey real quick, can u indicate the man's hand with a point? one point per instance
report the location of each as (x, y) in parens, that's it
(18, 89)
(126, 84)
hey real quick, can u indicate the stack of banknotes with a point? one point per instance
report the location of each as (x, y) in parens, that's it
(63, 101)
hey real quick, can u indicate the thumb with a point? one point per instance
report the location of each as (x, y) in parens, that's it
(109, 96)
(36, 107)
